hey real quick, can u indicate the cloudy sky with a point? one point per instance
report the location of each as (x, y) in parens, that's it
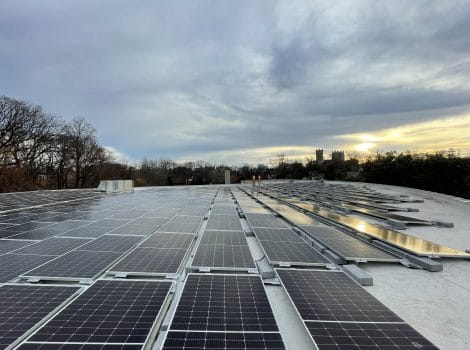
(241, 81)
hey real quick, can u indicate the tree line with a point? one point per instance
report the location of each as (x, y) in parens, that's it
(39, 150)
(438, 172)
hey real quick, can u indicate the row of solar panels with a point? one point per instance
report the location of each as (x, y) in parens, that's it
(56, 248)
(214, 311)
(284, 245)
(372, 209)
(406, 242)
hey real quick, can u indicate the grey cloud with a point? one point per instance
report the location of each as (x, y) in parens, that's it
(180, 78)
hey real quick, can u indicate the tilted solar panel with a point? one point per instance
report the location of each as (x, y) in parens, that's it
(23, 306)
(108, 312)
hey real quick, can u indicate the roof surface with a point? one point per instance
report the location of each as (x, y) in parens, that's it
(100, 251)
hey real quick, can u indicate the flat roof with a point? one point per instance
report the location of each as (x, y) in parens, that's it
(121, 230)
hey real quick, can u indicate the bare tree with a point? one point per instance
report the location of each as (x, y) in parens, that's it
(26, 134)
(83, 148)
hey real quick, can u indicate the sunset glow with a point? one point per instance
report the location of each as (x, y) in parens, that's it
(431, 136)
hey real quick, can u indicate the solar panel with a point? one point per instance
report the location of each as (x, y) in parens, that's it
(277, 235)
(68, 346)
(185, 219)
(194, 211)
(348, 247)
(356, 336)
(264, 220)
(76, 264)
(154, 222)
(224, 256)
(332, 296)
(112, 243)
(293, 253)
(13, 265)
(53, 246)
(38, 234)
(218, 340)
(114, 223)
(162, 213)
(224, 222)
(87, 232)
(68, 225)
(23, 306)
(168, 240)
(224, 237)
(224, 303)
(148, 261)
(7, 234)
(181, 227)
(9, 245)
(129, 215)
(108, 312)
(133, 230)
(28, 226)
(223, 210)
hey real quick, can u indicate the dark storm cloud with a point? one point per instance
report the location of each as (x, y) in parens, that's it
(189, 79)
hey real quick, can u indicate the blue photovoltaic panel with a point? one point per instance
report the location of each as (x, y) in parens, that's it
(14, 265)
(359, 336)
(53, 246)
(224, 303)
(348, 247)
(277, 235)
(223, 312)
(264, 220)
(340, 314)
(52, 346)
(112, 243)
(333, 296)
(88, 231)
(108, 312)
(23, 306)
(76, 264)
(7, 246)
(219, 341)
(224, 222)
(168, 240)
(224, 237)
(224, 256)
(151, 261)
(294, 253)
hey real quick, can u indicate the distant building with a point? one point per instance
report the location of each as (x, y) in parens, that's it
(319, 155)
(337, 156)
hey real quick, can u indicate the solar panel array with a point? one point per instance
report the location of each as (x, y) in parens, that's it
(401, 240)
(340, 314)
(151, 234)
(223, 309)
